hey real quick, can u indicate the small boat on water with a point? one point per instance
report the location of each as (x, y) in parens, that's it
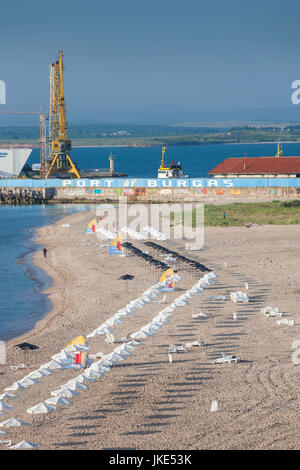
(173, 170)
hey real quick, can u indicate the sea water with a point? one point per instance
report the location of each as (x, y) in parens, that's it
(22, 300)
(143, 162)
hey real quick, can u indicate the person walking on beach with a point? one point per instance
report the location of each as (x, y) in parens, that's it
(45, 252)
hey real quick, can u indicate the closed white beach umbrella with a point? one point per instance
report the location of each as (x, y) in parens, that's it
(217, 297)
(114, 357)
(45, 366)
(173, 306)
(128, 347)
(14, 387)
(13, 422)
(140, 302)
(132, 342)
(45, 372)
(98, 369)
(58, 401)
(24, 445)
(163, 318)
(125, 313)
(199, 289)
(41, 408)
(169, 309)
(65, 392)
(118, 355)
(28, 382)
(92, 374)
(51, 366)
(108, 362)
(63, 356)
(36, 374)
(90, 379)
(130, 306)
(123, 350)
(4, 407)
(153, 294)
(154, 326)
(75, 385)
(212, 275)
(187, 295)
(192, 291)
(8, 396)
(115, 320)
(100, 366)
(132, 345)
(104, 330)
(79, 378)
(141, 334)
(160, 320)
(166, 315)
(184, 299)
(95, 333)
(149, 329)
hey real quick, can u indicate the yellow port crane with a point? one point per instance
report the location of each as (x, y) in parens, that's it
(59, 160)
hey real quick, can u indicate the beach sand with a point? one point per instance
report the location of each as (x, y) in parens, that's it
(146, 402)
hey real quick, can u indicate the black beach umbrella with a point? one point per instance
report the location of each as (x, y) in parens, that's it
(26, 347)
(126, 278)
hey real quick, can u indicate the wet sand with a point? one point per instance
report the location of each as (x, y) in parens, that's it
(146, 402)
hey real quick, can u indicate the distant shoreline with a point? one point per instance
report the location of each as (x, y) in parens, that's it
(157, 145)
(177, 145)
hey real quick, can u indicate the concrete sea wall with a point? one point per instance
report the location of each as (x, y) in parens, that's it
(149, 190)
(172, 195)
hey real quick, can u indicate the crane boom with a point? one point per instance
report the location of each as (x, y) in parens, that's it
(59, 145)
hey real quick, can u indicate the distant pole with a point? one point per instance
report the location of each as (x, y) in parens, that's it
(111, 163)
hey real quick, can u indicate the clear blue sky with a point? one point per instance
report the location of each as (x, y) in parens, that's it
(152, 61)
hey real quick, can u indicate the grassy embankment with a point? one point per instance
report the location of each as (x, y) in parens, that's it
(241, 214)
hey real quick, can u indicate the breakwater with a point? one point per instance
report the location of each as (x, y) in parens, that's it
(16, 196)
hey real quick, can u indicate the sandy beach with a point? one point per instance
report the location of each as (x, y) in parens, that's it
(146, 402)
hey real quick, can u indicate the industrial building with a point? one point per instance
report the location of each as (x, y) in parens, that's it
(258, 167)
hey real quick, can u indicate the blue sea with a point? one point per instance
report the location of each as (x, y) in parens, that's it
(196, 160)
(22, 301)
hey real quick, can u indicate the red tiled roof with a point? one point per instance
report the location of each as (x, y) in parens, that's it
(258, 165)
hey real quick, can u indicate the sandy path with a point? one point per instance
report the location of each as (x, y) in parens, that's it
(147, 403)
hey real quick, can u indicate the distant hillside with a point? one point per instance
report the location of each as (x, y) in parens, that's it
(147, 135)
